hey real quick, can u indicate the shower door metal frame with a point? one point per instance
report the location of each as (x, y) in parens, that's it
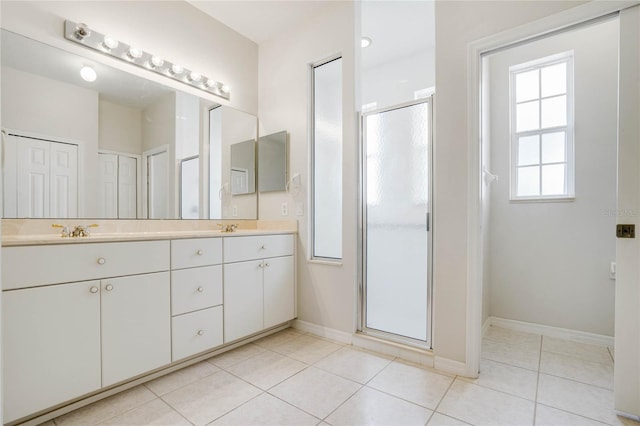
(362, 228)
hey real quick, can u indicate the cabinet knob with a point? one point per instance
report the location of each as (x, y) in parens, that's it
(101, 261)
(261, 265)
(266, 264)
(200, 289)
(262, 247)
(93, 289)
(200, 332)
(200, 252)
(108, 287)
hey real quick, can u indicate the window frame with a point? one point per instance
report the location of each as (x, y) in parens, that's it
(312, 257)
(569, 193)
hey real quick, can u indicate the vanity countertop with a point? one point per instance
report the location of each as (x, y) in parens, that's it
(22, 232)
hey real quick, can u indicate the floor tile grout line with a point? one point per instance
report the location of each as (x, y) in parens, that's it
(182, 386)
(572, 413)
(535, 399)
(575, 381)
(126, 411)
(611, 355)
(294, 406)
(209, 360)
(582, 358)
(324, 419)
(510, 364)
(179, 413)
(235, 408)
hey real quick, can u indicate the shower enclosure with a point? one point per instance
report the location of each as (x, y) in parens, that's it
(395, 245)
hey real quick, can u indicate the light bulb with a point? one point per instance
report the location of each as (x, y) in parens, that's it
(225, 88)
(88, 74)
(134, 53)
(156, 61)
(81, 31)
(194, 77)
(176, 69)
(109, 43)
(210, 84)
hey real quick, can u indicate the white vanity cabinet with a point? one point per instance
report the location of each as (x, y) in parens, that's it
(51, 346)
(258, 284)
(135, 322)
(196, 296)
(63, 339)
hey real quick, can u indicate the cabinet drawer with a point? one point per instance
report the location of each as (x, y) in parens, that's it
(31, 266)
(196, 252)
(196, 332)
(238, 249)
(195, 288)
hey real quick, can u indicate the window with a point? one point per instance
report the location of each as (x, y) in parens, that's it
(542, 163)
(326, 160)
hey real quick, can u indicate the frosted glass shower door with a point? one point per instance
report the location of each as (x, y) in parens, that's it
(396, 241)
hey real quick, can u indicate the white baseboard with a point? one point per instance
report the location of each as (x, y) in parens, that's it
(486, 325)
(326, 332)
(547, 330)
(450, 366)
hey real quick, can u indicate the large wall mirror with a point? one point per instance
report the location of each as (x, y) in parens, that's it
(119, 146)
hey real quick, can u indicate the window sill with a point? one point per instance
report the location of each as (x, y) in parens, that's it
(562, 199)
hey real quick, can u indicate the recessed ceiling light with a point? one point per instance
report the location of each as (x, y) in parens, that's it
(88, 74)
(365, 42)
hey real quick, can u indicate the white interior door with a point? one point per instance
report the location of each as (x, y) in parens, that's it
(127, 187)
(108, 185)
(63, 187)
(33, 178)
(41, 178)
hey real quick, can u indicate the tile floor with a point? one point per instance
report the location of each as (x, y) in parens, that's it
(292, 378)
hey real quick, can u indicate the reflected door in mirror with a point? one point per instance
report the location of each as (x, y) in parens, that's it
(40, 178)
(118, 186)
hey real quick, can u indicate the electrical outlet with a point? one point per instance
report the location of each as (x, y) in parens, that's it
(284, 209)
(299, 209)
(234, 211)
(626, 231)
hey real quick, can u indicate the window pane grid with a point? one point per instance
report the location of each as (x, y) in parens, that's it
(541, 161)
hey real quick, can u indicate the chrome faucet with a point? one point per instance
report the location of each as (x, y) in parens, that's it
(230, 227)
(78, 230)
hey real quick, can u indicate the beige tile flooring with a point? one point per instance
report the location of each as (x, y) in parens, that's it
(292, 378)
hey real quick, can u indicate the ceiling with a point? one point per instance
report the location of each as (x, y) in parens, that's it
(259, 20)
(398, 28)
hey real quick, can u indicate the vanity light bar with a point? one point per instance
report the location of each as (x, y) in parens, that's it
(81, 34)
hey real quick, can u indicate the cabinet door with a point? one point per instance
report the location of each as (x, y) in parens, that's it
(278, 290)
(136, 325)
(51, 346)
(243, 296)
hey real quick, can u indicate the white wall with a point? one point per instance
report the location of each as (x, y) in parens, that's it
(326, 293)
(458, 24)
(57, 110)
(397, 81)
(119, 128)
(172, 29)
(158, 129)
(549, 261)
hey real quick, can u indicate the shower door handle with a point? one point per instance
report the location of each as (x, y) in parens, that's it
(428, 224)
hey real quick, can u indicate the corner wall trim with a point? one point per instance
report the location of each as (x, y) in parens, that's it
(547, 330)
(450, 366)
(318, 330)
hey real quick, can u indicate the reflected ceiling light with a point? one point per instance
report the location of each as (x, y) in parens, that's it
(88, 74)
(81, 34)
(365, 42)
